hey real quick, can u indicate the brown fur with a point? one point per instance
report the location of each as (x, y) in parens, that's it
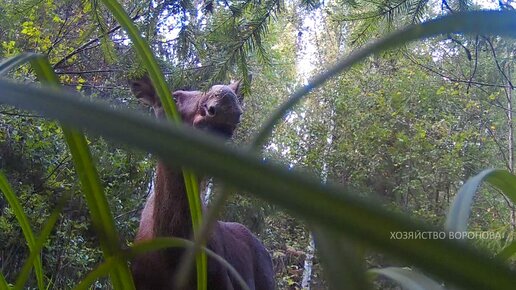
(166, 211)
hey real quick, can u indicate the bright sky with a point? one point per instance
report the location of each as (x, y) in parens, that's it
(312, 24)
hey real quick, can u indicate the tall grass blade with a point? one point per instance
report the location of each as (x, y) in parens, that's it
(101, 271)
(479, 22)
(3, 282)
(145, 53)
(163, 243)
(408, 279)
(97, 203)
(43, 237)
(342, 261)
(458, 215)
(158, 80)
(507, 252)
(328, 205)
(210, 218)
(194, 203)
(155, 245)
(15, 61)
(505, 182)
(22, 219)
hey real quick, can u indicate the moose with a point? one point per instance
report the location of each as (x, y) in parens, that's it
(166, 212)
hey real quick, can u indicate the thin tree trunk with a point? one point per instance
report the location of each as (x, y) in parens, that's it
(510, 137)
(305, 43)
(208, 190)
(308, 265)
(310, 249)
(511, 127)
(304, 67)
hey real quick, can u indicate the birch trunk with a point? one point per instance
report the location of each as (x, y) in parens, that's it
(510, 140)
(308, 265)
(310, 249)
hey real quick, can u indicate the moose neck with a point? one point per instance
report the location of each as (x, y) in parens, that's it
(171, 212)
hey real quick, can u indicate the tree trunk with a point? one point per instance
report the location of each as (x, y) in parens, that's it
(208, 191)
(309, 262)
(510, 137)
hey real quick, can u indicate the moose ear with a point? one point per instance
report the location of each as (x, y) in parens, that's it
(182, 97)
(144, 91)
(237, 88)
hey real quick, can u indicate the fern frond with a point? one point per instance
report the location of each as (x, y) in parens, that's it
(311, 4)
(240, 37)
(392, 14)
(418, 10)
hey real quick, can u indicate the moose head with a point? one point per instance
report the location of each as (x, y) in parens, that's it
(166, 211)
(218, 110)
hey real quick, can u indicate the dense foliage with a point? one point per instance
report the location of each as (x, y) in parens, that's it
(405, 127)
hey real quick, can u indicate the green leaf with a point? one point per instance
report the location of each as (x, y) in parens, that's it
(25, 226)
(477, 22)
(333, 207)
(458, 215)
(158, 80)
(408, 279)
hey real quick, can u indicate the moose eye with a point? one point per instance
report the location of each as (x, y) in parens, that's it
(177, 100)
